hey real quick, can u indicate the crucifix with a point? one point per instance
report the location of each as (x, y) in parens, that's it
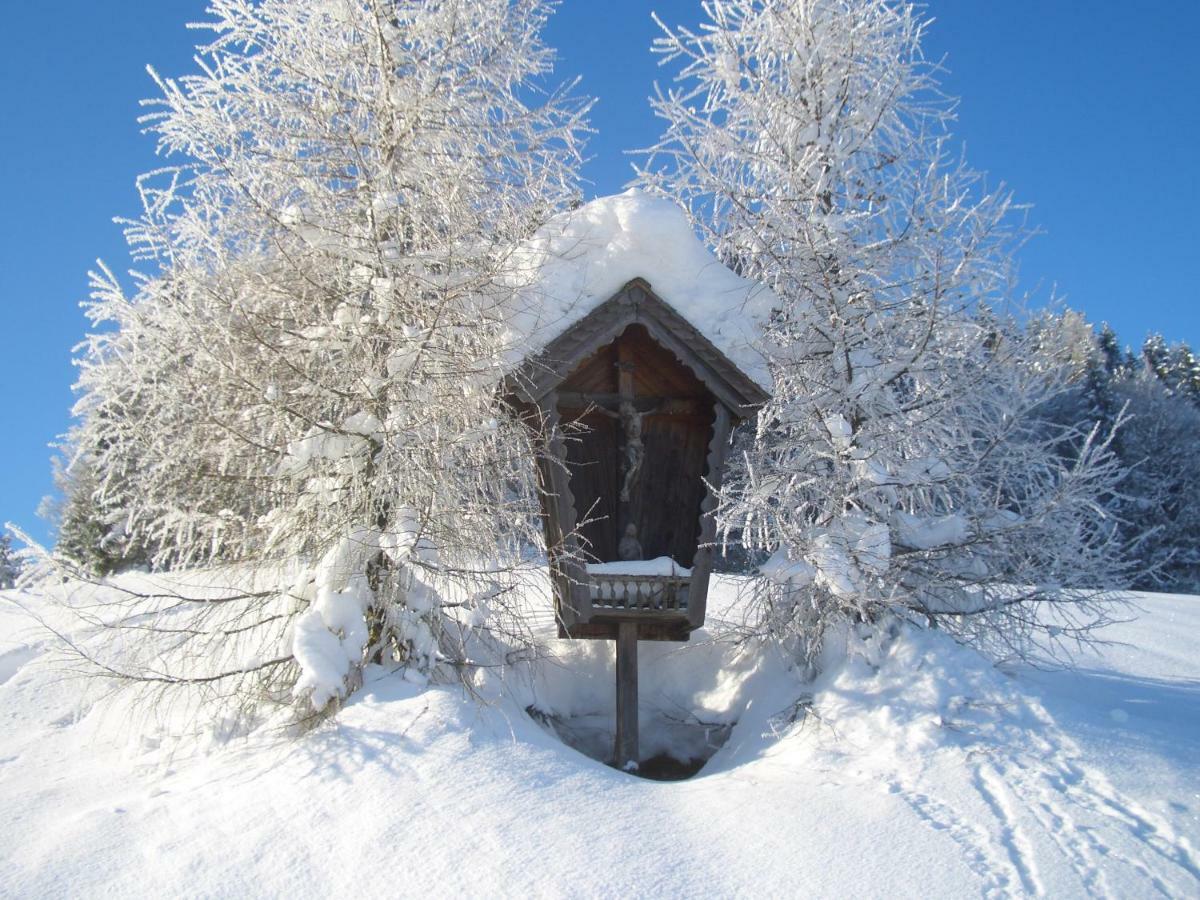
(625, 742)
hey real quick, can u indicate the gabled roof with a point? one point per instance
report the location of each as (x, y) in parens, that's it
(636, 303)
(584, 259)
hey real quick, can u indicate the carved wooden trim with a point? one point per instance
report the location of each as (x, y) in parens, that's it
(635, 303)
(635, 594)
(715, 469)
(682, 351)
(570, 578)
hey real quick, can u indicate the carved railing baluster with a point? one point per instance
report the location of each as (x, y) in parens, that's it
(641, 593)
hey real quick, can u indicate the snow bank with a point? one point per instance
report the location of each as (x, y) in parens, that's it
(912, 692)
(580, 259)
(912, 768)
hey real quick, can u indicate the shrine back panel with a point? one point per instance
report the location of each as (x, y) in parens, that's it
(638, 426)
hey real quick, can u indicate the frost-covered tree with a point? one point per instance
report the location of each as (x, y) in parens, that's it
(300, 388)
(1175, 367)
(904, 463)
(1185, 370)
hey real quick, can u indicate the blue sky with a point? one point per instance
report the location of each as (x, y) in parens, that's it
(1089, 111)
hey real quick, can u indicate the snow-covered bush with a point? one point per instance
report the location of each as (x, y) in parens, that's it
(903, 462)
(305, 376)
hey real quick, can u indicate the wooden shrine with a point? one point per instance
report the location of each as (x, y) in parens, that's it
(633, 408)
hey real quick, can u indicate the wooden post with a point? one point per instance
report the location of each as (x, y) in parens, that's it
(626, 756)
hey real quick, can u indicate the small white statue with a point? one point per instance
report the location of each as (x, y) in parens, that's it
(630, 547)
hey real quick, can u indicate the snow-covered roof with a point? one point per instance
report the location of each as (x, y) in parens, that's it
(581, 258)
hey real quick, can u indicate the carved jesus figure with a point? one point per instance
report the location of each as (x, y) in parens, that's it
(635, 449)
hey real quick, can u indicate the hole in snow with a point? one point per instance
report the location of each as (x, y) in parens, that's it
(671, 749)
(690, 695)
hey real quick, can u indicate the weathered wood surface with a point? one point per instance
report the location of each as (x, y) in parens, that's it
(668, 505)
(594, 462)
(714, 473)
(665, 502)
(558, 505)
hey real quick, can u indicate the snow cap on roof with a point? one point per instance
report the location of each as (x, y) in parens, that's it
(581, 258)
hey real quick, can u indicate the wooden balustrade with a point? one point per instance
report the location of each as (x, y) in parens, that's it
(644, 593)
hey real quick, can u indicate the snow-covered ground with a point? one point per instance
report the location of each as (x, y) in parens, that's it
(913, 769)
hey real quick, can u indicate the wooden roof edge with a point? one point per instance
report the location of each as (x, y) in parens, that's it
(755, 393)
(542, 371)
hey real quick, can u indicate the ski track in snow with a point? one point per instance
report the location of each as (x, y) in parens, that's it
(1046, 795)
(1028, 799)
(1089, 789)
(1067, 791)
(1015, 841)
(995, 870)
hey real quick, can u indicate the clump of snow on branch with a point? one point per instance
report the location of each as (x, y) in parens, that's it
(329, 637)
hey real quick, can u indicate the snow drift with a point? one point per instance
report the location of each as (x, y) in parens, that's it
(911, 768)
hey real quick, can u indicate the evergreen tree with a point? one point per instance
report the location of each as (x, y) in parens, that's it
(10, 563)
(1184, 373)
(1113, 358)
(1156, 357)
(89, 528)
(1159, 502)
(1175, 366)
